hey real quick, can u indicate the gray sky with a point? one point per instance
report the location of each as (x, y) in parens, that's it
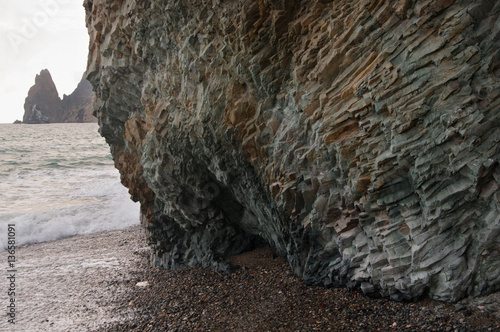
(36, 35)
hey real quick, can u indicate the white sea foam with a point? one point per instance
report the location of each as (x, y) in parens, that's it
(109, 208)
(58, 223)
(58, 181)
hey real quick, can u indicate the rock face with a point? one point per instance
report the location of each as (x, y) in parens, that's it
(78, 106)
(359, 139)
(43, 104)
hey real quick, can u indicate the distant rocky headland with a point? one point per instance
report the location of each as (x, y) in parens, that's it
(359, 139)
(43, 105)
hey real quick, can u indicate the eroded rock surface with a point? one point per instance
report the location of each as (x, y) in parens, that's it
(360, 139)
(43, 105)
(79, 105)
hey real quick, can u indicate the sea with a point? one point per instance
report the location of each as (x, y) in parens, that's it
(58, 180)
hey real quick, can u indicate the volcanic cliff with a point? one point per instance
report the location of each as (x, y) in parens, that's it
(43, 105)
(359, 139)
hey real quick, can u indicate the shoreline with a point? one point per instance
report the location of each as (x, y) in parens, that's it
(103, 282)
(74, 283)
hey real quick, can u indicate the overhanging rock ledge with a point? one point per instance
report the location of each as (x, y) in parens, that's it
(359, 139)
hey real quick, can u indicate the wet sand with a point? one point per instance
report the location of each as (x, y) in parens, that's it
(74, 284)
(103, 282)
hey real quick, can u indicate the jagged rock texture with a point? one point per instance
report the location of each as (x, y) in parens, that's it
(79, 105)
(43, 105)
(360, 139)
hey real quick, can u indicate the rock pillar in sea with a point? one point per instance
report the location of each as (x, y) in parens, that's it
(43, 105)
(359, 139)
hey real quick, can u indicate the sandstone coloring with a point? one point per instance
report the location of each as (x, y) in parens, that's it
(360, 139)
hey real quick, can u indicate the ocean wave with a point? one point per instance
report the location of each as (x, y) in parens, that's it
(57, 181)
(59, 223)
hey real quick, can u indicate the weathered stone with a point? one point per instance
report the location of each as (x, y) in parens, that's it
(359, 139)
(43, 105)
(78, 106)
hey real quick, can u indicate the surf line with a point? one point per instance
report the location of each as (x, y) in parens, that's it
(11, 272)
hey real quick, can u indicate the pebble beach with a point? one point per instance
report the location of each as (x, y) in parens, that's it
(104, 282)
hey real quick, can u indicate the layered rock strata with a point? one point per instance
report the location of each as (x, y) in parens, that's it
(43, 105)
(359, 139)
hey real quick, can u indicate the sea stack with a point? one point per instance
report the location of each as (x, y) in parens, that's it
(78, 106)
(43, 105)
(359, 139)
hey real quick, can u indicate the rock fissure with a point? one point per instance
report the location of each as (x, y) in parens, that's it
(360, 140)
